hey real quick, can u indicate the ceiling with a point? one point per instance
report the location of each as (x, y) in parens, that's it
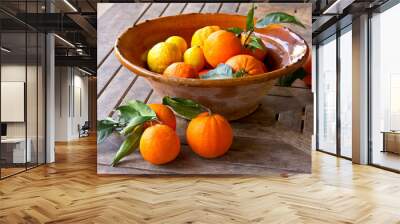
(76, 20)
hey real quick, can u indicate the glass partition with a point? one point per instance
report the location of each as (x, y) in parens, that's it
(14, 153)
(22, 88)
(326, 125)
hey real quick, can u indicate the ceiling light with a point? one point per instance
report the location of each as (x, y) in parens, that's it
(84, 71)
(338, 6)
(70, 5)
(64, 40)
(5, 50)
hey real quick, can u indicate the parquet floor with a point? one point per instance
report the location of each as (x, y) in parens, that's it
(70, 191)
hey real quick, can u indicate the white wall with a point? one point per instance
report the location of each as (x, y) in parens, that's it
(71, 94)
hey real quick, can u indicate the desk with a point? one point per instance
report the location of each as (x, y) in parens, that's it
(17, 150)
(391, 141)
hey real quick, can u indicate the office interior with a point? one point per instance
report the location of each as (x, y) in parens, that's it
(357, 83)
(45, 86)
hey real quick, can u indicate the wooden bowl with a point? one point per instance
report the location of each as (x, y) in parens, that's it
(233, 98)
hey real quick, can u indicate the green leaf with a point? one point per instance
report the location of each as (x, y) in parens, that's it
(239, 74)
(105, 128)
(141, 108)
(135, 121)
(255, 43)
(126, 113)
(236, 30)
(287, 80)
(277, 17)
(129, 145)
(186, 108)
(222, 71)
(250, 19)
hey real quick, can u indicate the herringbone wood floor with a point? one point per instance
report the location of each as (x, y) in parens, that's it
(70, 191)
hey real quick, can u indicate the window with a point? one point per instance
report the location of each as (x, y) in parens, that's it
(326, 91)
(385, 89)
(346, 92)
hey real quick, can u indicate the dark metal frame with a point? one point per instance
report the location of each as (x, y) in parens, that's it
(44, 80)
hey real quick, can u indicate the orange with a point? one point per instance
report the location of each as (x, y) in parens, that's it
(164, 114)
(201, 35)
(180, 69)
(257, 53)
(249, 64)
(209, 135)
(159, 144)
(220, 46)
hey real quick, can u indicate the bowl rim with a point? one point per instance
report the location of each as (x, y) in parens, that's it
(141, 71)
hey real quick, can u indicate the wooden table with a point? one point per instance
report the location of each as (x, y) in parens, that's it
(276, 139)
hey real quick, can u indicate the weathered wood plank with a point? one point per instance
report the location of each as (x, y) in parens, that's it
(109, 99)
(106, 72)
(243, 158)
(211, 7)
(138, 91)
(229, 8)
(308, 120)
(115, 19)
(193, 8)
(173, 9)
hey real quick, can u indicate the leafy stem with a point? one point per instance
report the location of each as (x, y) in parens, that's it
(254, 42)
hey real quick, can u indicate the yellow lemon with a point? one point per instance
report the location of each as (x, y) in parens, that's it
(178, 41)
(161, 55)
(201, 35)
(194, 56)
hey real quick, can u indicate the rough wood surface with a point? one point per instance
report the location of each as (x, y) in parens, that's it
(70, 191)
(274, 139)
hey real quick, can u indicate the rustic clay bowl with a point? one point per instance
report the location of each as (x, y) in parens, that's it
(233, 98)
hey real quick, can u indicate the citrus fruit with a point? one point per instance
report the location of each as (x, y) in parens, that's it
(180, 69)
(209, 135)
(204, 71)
(257, 53)
(220, 46)
(246, 63)
(164, 114)
(194, 56)
(159, 144)
(178, 41)
(162, 55)
(201, 35)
